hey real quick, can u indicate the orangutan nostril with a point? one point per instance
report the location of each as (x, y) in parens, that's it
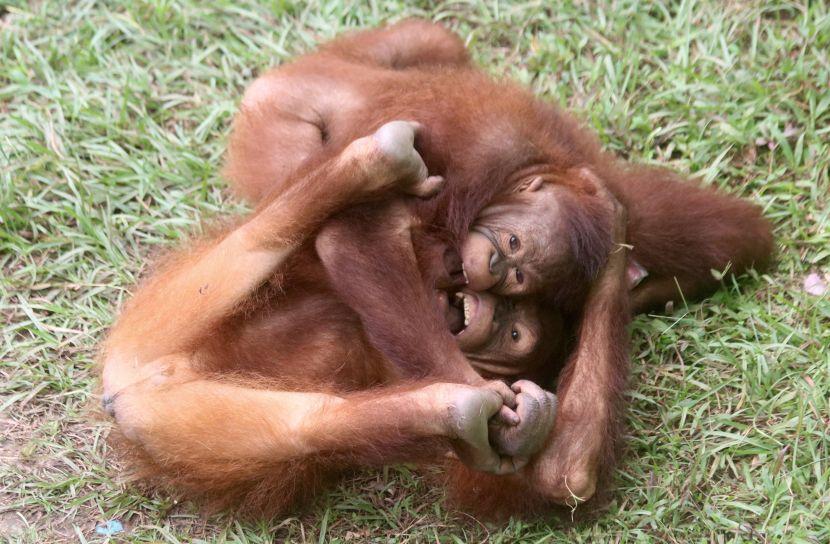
(494, 261)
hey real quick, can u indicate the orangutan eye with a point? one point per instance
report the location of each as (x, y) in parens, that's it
(514, 334)
(514, 242)
(520, 277)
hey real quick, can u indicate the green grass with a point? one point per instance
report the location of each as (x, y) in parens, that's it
(113, 121)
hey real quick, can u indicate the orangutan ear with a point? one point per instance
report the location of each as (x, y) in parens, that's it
(531, 184)
(589, 176)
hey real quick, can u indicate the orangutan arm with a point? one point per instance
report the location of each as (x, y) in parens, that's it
(370, 259)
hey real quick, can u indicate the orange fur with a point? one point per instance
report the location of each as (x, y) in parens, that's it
(240, 374)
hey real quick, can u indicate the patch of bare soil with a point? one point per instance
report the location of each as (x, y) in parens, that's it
(12, 525)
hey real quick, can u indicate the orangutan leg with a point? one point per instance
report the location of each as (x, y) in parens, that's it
(184, 419)
(304, 111)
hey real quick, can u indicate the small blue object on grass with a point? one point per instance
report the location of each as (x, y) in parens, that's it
(109, 528)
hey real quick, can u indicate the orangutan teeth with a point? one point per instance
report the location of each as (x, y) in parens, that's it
(466, 311)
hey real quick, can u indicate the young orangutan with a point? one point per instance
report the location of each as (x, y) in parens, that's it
(236, 372)
(524, 202)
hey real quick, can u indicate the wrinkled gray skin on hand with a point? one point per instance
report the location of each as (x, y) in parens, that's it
(396, 143)
(536, 411)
